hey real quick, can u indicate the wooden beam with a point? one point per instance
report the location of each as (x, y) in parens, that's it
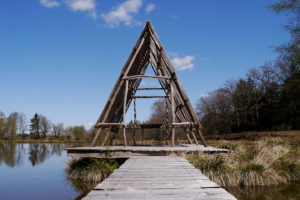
(124, 112)
(194, 136)
(167, 121)
(173, 115)
(148, 97)
(150, 88)
(188, 137)
(201, 137)
(95, 137)
(134, 117)
(106, 136)
(109, 124)
(145, 76)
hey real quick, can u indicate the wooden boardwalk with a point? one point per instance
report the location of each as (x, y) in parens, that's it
(158, 178)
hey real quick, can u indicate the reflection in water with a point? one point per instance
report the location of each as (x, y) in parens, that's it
(13, 155)
(37, 153)
(82, 187)
(50, 182)
(283, 192)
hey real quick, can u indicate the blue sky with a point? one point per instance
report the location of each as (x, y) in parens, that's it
(61, 58)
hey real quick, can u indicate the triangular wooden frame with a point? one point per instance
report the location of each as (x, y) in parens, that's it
(148, 50)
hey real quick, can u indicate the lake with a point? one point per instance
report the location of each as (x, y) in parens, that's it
(36, 171)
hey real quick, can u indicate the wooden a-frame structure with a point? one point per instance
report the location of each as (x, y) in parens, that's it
(149, 51)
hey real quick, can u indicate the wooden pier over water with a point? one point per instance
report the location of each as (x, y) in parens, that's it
(158, 178)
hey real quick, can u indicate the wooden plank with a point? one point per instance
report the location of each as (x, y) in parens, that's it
(162, 194)
(158, 177)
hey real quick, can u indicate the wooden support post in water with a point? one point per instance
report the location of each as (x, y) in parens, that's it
(95, 137)
(134, 125)
(124, 112)
(106, 136)
(173, 114)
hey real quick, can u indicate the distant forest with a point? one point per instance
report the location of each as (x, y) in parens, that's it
(268, 98)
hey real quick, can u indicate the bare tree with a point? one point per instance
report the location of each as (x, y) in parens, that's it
(45, 125)
(57, 129)
(22, 123)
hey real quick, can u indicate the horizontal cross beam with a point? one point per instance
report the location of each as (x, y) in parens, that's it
(150, 89)
(148, 97)
(100, 124)
(145, 76)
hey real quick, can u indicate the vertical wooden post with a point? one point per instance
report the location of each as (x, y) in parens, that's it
(124, 112)
(106, 136)
(173, 114)
(95, 137)
(167, 120)
(134, 125)
(113, 137)
(142, 136)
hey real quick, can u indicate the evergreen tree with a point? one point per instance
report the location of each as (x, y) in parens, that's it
(35, 126)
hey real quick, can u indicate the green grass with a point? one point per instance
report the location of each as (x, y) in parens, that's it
(91, 170)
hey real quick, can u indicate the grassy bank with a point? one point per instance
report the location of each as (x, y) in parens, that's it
(268, 161)
(91, 170)
(293, 137)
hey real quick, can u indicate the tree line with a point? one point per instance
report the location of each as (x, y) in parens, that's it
(268, 98)
(38, 127)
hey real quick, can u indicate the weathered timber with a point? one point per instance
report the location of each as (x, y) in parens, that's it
(150, 89)
(145, 76)
(158, 178)
(148, 97)
(148, 50)
(126, 152)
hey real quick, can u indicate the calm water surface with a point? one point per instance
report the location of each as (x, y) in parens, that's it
(36, 171)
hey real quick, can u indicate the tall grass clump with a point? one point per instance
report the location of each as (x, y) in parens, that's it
(91, 170)
(269, 161)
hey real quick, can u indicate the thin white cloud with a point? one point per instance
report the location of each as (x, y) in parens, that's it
(150, 7)
(123, 14)
(81, 5)
(204, 95)
(183, 63)
(49, 3)
(89, 124)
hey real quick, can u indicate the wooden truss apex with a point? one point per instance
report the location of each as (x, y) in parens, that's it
(148, 51)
